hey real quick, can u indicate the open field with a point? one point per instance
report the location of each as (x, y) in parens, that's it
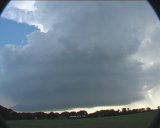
(141, 120)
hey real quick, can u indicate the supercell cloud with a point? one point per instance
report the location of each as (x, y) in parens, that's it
(84, 54)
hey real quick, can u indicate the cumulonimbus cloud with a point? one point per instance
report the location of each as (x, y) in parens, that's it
(84, 58)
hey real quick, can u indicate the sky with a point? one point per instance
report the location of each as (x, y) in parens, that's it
(70, 55)
(14, 32)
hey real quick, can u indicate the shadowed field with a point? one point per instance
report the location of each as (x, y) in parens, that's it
(141, 120)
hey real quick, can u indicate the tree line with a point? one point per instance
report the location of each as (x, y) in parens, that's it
(9, 114)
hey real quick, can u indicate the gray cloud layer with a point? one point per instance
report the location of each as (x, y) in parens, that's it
(84, 60)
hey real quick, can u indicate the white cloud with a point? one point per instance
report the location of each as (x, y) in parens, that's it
(24, 5)
(23, 12)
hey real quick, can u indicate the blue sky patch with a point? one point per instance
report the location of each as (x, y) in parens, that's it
(12, 32)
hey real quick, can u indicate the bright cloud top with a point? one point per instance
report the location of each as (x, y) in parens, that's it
(86, 54)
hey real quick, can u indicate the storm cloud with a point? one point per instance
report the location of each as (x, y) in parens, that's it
(85, 54)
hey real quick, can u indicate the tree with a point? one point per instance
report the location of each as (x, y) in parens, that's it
(65, 114)
(82, 114)
(148, 109)
(124, 110)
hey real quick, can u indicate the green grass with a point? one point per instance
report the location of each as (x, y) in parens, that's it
(141, 120)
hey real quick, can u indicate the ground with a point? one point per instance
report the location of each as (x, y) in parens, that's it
(140, 120)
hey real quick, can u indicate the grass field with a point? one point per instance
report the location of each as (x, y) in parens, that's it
(141, 120)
